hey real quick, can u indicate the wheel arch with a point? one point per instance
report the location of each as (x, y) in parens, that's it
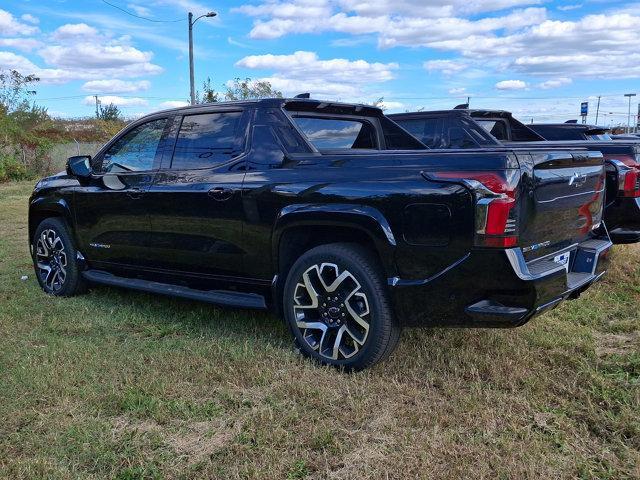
(301, 227)
(42, 208)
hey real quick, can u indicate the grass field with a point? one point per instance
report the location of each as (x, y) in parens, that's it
(117, 384)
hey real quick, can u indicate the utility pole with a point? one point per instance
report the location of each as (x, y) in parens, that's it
(629, 114)
(468, 102)
(97, 106)
(192, 88)
(597, 110)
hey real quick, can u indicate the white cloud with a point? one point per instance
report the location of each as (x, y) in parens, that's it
(73, 51)
(118, 101)
(90, 55)
(173, 104)
(511, 85)
(490, 35)
(27, 17)
(139, 10)
(447, 67)
(566, 8)
(116, 86)
(458, 91)
(23, 44)
(555, 83)
(304, 72)
(73, 31)
(404, 22)
(9, 25)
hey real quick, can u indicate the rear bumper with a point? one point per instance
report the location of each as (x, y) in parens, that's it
(622, 218)
(499, 288)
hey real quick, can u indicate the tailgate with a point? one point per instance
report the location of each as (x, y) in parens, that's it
(562, 201)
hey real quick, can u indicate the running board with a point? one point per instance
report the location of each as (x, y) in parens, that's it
(227, 298)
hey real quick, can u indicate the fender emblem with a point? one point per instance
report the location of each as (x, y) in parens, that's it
(99, 245)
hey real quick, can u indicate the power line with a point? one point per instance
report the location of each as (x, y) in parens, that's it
(141, 17)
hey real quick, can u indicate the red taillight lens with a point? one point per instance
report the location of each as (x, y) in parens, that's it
(496, 216)
(631, 183)
(628, 168)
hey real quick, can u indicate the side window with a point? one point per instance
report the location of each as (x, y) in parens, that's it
(331, 134)
(466, 134)
(427, 130)
(136, 150)
(497, 128)
(460, 138)
(395, 138)
(265, 149)
(206, 140)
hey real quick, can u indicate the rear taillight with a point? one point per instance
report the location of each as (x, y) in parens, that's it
(628, 170)
(630, 184)
(496, 219)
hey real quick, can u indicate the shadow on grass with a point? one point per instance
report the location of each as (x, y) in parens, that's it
(160, 316)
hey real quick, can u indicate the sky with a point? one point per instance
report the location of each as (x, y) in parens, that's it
(539, 59)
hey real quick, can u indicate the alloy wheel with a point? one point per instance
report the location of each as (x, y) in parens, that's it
(331, 311)
(51, 260)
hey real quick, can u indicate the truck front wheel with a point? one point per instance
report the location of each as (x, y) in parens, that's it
(337, 306)
(54, 259)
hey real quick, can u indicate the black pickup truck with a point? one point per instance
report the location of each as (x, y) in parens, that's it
(463, 128)
(327, 213)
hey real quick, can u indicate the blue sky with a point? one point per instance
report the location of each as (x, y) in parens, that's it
(539, 59)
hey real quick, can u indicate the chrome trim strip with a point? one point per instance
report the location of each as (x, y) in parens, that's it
(521, 269)
(572, 195)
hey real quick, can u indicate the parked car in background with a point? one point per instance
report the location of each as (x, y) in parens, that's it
(463, 128)
(328, 213)
(571, 131)
(627, 136)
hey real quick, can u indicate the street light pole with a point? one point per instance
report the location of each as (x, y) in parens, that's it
(629, 114)
(192, 88)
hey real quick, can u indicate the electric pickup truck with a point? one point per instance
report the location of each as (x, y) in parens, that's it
(328, 214)
(470, 128)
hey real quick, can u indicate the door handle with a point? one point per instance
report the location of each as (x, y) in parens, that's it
(135, 193)
(221, 193)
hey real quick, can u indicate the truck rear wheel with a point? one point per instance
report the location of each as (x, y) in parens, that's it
(337, 307)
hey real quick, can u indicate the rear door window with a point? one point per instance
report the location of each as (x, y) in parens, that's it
(333, 134)
(206, 140)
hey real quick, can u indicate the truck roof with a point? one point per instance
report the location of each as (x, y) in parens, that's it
(305, 104)
(458, 111)
(578, 126)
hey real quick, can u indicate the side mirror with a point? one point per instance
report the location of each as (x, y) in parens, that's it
(79, 166)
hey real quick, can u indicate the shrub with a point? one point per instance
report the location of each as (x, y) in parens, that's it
(12, 169)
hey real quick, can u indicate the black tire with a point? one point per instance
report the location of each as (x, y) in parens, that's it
(53, 234)
(361, 276)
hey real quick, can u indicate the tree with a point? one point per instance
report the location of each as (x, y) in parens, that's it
(209, 94)
(247, 88)
(110, 113)
(15, 90)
